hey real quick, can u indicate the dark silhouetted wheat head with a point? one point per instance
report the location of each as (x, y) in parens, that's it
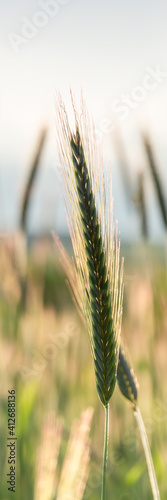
(126, 379)
(156, 178)
(31, 178)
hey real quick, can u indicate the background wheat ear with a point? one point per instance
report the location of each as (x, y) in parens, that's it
(126, 378)
(156, 178)
(47, 457)
(31, 178)
(75, 468)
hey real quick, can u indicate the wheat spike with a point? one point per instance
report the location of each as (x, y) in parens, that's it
(156, 178)
(96, 252)
(32, 175)
(104, 342)
(126, 379)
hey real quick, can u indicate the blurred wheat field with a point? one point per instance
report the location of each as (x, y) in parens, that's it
(45, 356)
(83, 156)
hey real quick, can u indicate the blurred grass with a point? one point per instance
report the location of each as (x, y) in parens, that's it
(45, 356)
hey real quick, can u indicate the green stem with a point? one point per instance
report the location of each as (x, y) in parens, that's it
(106, 433)
(150, 465)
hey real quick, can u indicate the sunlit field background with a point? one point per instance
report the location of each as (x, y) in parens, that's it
(45, 357)
(44, 347)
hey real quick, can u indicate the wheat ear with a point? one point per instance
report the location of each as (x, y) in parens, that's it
(104, 340)
(31, 178)
(156, 178)
(100, 278)
(127, 380)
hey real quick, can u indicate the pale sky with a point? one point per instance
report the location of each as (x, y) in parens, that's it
(104, 47)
